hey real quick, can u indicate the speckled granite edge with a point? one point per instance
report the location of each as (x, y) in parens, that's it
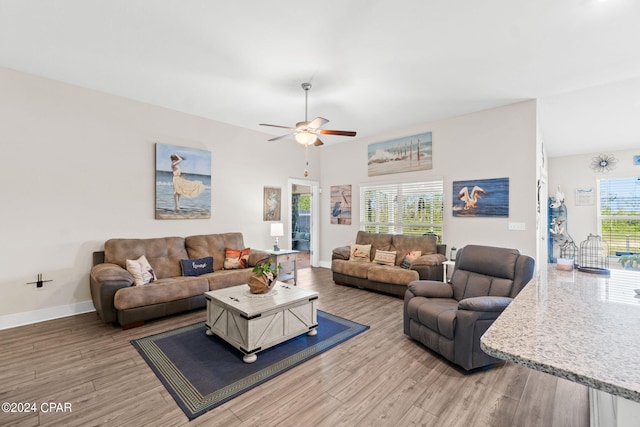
(544, 329)
(548, 369)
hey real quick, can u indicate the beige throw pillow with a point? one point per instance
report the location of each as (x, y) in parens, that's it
(385, 257)
(360, 253)
(141, 271)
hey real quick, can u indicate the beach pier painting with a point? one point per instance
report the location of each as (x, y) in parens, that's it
(183, 182)
(407, 154)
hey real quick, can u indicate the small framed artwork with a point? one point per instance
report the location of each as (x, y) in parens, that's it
(272, 200)
(481, 197)
(585, 197)
(183, 182)
(636, 160)
(341, 204)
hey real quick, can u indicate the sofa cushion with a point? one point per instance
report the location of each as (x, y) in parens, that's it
(406, 243)
(141, 271)
(491, 261)
(391, 274)
(163, 290)
(214, 245)
(197, 266)
(163, 253)
(377, 241)
(437, 314)
(236, 258)
(360, 253)
(225, 278)
(468, 284)
(349, 268)
(385, 257)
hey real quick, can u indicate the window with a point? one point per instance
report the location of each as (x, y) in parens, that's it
(619, 214)
(408, 208)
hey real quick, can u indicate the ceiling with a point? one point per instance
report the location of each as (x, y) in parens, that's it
(375, 66)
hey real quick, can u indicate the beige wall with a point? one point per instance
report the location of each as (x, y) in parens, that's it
(78, 169)
(495, 143)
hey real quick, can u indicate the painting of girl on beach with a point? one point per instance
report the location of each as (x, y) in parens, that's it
(183, 182)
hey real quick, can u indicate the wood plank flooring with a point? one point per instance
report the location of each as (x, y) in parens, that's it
(379, 378)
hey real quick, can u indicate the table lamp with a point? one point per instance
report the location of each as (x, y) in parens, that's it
(277, 230)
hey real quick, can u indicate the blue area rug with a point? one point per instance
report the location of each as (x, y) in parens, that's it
(202, 372)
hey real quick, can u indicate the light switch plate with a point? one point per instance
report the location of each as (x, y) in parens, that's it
(518, 226)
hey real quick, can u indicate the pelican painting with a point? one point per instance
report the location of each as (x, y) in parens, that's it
(470, 200)
(481, 197)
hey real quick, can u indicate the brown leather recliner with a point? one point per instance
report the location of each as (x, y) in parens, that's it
(450, 318)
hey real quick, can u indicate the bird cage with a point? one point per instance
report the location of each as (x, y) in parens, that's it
(593, 256)
(568, 250)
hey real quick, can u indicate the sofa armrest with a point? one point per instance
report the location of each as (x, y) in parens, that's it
(257, 256)
(495, 304)
(104, 281)
(429, 267)
(428, 260)
(431, 289)
(343, 252)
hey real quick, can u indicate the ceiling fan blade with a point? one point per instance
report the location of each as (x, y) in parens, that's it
(279, 137)
(317, 122)
(318, 143)
(337, 132)
(277, 126)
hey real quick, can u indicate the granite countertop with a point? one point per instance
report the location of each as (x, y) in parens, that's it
(579, 326)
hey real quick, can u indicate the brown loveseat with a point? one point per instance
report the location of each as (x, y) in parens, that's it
(116, 300)
(391, 279)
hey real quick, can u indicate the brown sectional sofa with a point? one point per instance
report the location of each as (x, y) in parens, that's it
(386, 278)
(116, 300)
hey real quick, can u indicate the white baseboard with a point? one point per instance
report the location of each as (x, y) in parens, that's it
(29, 317)
(325, 264)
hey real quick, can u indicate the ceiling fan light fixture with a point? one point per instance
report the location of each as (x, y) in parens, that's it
(306, 138)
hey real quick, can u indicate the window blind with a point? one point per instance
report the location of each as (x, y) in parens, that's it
(619, 214)
(403, 208)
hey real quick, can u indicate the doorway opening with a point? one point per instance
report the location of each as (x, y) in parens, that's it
(304, 233)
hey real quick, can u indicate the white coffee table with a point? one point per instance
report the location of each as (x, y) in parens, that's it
(252, 323)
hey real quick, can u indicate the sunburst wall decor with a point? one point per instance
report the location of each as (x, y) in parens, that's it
(603, 163)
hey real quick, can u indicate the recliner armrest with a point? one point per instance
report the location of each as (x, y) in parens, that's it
(484, 303)
(343, 252)
(431, 289)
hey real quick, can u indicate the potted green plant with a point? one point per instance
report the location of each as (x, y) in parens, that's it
(631, 261)
(263, 278)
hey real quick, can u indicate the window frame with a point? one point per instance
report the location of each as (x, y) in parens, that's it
(614, 249)
(395, 221)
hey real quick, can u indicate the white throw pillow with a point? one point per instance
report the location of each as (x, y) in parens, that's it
(385, 257)
(141, 271)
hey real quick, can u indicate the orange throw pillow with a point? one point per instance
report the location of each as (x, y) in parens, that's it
(236, 258)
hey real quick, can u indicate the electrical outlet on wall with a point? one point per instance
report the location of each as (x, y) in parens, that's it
(518, 226)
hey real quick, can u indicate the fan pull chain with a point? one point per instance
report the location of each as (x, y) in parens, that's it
(306, 160)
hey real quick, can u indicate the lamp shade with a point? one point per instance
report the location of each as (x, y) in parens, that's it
(277, 229)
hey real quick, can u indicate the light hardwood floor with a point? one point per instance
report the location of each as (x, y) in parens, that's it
(377, 378)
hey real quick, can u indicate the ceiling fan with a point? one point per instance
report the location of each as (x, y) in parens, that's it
(306, 133)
